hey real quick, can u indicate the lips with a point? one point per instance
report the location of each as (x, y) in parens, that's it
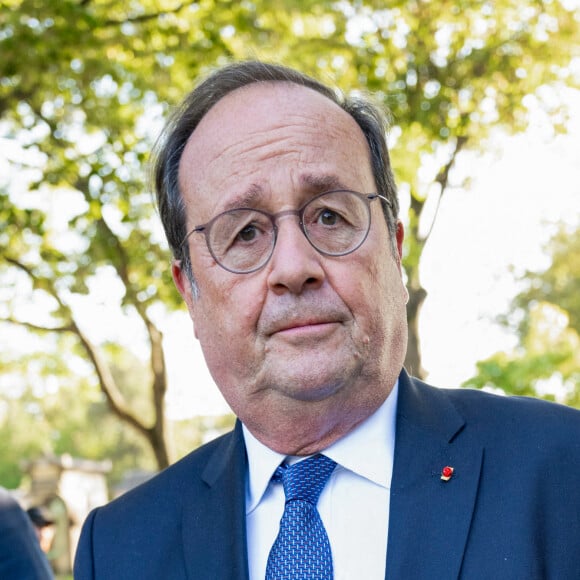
(286, 313)
(301, 323)
(294, 317)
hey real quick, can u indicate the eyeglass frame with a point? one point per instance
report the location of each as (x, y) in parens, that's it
(273, 217)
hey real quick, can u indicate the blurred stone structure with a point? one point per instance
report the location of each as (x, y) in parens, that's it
(69, 489)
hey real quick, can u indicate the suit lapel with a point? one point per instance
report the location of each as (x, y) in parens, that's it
(214, 524)
(429, 518)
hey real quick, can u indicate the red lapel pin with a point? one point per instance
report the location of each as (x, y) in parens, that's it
(447, 473)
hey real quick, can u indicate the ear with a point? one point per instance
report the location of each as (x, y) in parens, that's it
(400, 236)
(183, 285)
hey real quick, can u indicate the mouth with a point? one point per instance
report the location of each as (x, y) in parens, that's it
(304, 327)
(302, 319)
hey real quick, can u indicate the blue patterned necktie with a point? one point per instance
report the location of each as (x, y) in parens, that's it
(302, 550)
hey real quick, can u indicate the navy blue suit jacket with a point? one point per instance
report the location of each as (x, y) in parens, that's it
(510, 511)
(20, 555)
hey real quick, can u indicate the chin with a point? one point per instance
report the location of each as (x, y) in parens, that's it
(315, 385)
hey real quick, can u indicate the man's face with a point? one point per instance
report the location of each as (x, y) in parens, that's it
(307, 347)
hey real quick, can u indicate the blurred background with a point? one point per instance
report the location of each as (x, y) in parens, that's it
(101, 380)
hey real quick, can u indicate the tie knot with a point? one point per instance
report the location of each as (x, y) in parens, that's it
(306, 479)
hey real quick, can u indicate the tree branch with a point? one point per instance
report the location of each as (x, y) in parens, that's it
(37, 327)
(107, 383)
(146, 17)
(47, 285)
(157, 358)
(108, 386)
(443, 180)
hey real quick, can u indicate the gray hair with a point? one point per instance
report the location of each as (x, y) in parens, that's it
(372, 120)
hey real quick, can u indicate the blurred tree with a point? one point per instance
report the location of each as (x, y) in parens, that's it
(546, 317)
(451, 72)
(46, 410)
(84, 85)
(50, 406)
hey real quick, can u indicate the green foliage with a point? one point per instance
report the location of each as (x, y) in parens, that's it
(560, 282)
(51, 405)
(545, 315)
(62, 413)
(84, 87)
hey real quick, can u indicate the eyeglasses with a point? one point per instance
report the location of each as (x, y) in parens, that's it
(335, 223)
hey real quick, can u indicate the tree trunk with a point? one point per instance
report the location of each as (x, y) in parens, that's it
(413, 365)
(158, 443)
(158, 436)
(418, 294)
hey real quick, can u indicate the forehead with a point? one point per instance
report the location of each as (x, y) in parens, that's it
(273, 135)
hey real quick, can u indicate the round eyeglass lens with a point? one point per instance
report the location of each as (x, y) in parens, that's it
(336, 223)
(241, 239)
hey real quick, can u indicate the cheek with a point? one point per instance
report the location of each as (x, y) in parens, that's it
(225, 320)
(380, 298)
(224, 350)
(222, 315)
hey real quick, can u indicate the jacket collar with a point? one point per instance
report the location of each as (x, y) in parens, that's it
(430, 518)
(214, 525)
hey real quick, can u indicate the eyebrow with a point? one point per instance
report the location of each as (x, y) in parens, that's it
(321, 183)
(248, 198)
(314, 184)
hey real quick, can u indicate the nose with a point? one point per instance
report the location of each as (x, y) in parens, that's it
(295, 265)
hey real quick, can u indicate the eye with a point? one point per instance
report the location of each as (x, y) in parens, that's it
(328, 211)
(247, 234)
(327, 217)
(250, 229)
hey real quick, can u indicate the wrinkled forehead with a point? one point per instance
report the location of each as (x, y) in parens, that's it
(267, 98)
(265, 121)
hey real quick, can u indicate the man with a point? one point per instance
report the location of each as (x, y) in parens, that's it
(281, 211)
(20, 554)
(43, 525)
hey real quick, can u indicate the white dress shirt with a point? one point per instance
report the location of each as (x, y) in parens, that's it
(354, 504)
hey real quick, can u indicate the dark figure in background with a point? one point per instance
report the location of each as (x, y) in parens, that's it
(281, 211)
(20, 555)
(43, 526)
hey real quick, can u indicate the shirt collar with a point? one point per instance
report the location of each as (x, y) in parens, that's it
(368, 451)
